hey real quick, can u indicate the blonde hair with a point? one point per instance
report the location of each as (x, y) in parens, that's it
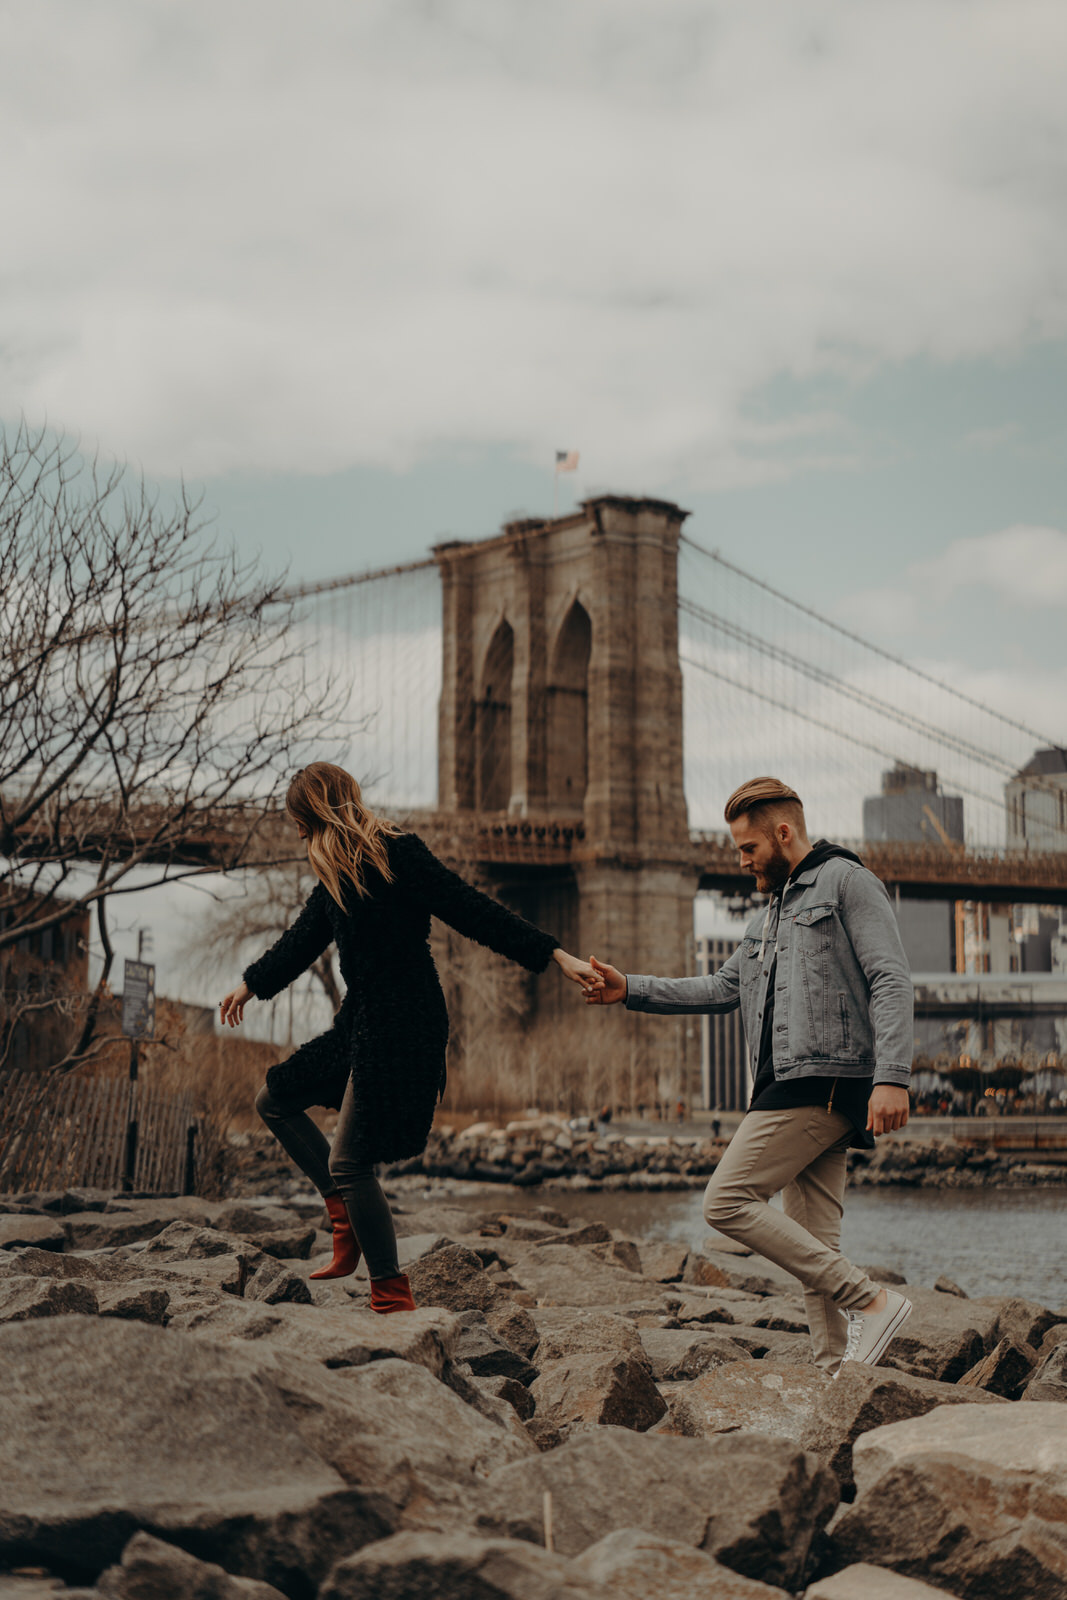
(766, 802)
(344, 837)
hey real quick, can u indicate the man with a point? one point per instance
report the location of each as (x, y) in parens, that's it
(827, 1003)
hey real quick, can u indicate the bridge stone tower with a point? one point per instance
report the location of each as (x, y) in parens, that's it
(561, 703)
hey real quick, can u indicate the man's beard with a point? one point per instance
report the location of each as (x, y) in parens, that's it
(775, 873)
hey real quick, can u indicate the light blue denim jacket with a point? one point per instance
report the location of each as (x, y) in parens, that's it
(843, 1002)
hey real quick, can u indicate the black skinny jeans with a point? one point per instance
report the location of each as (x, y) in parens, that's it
(334, 1171)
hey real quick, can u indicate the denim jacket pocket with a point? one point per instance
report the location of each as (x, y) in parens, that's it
(815, 927)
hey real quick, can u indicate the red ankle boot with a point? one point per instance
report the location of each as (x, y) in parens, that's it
(346, 1250)
(391, 1294)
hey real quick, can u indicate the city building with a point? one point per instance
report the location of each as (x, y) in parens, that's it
(1036, 800)
(725, 1079)
(912, 810)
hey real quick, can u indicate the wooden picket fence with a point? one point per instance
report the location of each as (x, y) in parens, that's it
(61, 1132)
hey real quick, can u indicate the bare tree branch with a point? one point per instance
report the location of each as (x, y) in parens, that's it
(155, 694)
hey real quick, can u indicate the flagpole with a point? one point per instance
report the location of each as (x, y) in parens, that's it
(555, 491)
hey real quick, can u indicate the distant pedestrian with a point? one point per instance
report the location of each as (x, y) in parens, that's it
(827, 1002)
(383, 1061)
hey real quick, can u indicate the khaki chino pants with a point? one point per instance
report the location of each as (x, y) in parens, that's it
(801, 1153)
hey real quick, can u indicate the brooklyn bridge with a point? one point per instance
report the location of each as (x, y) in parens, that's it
(564, 706)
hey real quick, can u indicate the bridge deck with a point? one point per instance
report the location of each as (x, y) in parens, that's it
(245, 835)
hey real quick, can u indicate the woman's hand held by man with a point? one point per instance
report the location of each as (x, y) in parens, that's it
(571, 967)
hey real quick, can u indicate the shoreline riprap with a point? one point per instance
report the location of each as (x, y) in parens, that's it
(184, 1407)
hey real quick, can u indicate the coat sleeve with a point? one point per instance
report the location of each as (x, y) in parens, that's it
(674, 997)
(447, 896)
(294, 952)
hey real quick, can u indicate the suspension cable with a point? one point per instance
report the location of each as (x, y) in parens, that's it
(887, 655)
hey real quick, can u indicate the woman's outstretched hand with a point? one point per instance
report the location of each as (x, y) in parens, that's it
(232, 1009)
(570, 966)
(608, 987)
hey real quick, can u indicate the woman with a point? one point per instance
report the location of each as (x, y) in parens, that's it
(383, 1061)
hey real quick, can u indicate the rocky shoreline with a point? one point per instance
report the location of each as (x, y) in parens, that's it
(545, 1151)
(570, 1414)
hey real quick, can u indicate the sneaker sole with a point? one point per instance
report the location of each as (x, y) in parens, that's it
(889, 1333)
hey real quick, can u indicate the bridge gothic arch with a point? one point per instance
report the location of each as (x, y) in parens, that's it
(567, 713)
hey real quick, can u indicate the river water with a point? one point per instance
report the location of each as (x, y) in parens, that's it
(989, 1241)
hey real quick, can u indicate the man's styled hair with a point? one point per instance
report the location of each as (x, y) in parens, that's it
(766, 802)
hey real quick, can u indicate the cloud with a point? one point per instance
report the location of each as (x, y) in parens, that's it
(1020, 566)
(274, 238)
(1023, 564)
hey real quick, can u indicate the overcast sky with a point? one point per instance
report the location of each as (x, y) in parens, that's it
(357, 270)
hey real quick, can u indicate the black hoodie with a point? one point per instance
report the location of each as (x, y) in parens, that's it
(850, 1096)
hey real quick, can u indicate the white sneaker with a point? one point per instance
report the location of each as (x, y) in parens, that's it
(870, 1333)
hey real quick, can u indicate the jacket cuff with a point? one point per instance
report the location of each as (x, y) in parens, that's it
(636, 991)
(897, 1073)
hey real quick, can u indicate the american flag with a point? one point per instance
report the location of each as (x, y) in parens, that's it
(566, 460)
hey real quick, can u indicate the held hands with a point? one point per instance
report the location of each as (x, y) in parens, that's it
(232, 1009)
(570, 966)
(601, 985)
(888, 1109)
(607, 987)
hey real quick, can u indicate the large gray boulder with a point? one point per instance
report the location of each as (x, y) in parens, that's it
(748, 1397)
(681, 1354)
(1023, 1320)
(944, 1336)
(455, 1566)
(634, 1565)
(564, 1332)
(393, 1427)
(662, 1260)
(755, 1504)
(46, 1233)
(563, 1275)
(818, 1413)
(970, 1499)
(342, 1337)
(154, 1570)
(581, 1392)
(127, 1221)
(864, 1398)
(1005, 1370)
(25, 1299)
(96, 1267)
(112, 1427)
(864, 1582)
(1049, 1379)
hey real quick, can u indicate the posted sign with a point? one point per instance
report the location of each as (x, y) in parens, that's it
(139, 1000)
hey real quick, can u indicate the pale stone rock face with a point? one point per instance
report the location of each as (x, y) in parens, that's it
(970, 1499)
(454, 1565)
(754, 1504)
(154, 1570)
(1049, 1381)
(582, 1392)
(112, 1426)
(864, 1582)
(944, 1336)
(636, 1566)
(43, 1232)
(190, 1383)
(1005, 1370)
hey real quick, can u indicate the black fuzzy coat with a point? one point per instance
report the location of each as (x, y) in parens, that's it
(391, 1031)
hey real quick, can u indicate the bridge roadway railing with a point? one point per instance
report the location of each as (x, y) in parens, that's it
(918, 871)
(245, 834)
